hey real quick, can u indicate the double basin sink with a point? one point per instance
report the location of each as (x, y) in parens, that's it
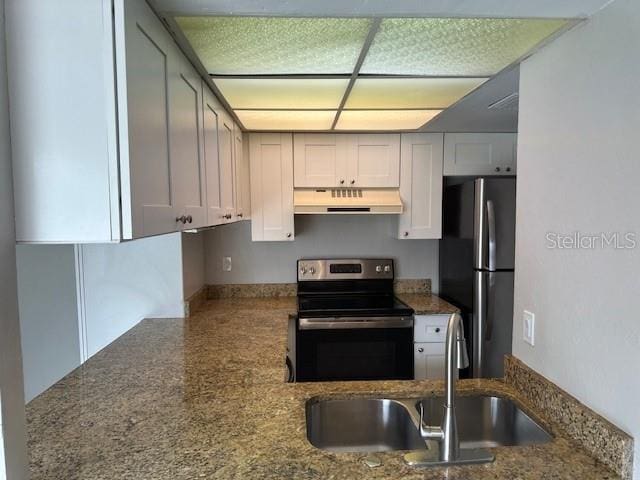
(378, 425)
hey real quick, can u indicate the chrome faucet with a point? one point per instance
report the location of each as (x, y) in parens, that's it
(446, 435)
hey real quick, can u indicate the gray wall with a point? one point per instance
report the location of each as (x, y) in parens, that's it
(13, 459)
(48, 314)
(579, 171)
(193, 264)
(316, 236)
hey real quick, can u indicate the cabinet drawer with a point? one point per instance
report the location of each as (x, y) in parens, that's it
(430, 328)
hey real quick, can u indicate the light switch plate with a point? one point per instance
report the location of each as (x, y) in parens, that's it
(528, 327)
(226, 264)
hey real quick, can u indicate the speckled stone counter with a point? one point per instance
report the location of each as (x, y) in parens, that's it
(205, 398)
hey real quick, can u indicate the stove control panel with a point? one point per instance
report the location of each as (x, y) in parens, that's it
(345, 269)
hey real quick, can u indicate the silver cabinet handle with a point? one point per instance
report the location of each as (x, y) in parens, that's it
(421, 350)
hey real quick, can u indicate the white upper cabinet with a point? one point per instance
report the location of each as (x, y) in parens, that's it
(320, 159)
(187, 159)
(346, 160)
(117, 144)
(421, 186)
(271, 164)
(480, 153)
(243, 200)
(210, 122)
(226, 141)
(374, 160)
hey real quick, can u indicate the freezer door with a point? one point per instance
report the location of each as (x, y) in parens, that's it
(494, 223)
(492, 322)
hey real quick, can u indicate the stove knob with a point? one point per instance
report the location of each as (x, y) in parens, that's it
(387, 269)
(312, 270)
(378, 268)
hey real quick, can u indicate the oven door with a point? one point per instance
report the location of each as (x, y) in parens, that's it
(354, 349)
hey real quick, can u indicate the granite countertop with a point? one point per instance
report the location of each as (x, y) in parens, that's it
(205, 398)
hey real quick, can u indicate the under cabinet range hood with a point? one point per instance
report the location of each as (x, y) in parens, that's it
(347, 201)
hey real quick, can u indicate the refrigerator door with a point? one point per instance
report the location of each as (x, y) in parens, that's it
(494, 223)
(492, 323)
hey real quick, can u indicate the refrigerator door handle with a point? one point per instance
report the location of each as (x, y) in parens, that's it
(491, 227)
(489, 304)
(479, 311)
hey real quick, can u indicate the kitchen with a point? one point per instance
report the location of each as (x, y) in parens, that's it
(200, 173)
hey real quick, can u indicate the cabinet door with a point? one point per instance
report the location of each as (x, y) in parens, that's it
(187, 162)
(227, 168)
(421, 186)
(210, 121)
(148, 200)
(480, 153)
(374, 160)
(271, 163)
(242, 176)
(320, 159)
(429, 360)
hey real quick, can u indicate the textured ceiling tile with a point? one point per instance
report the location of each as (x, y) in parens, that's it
(453, 46)
(282, 93)
(271, 120)
(268, 45)
(384, 119)
(410, 92)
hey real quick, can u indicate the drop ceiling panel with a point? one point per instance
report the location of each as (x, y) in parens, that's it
(282, 93)
(453, 46)
(273, 46)
(410, 92)
(287, 120)
(383, 120)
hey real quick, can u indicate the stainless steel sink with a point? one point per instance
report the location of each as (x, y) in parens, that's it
(362, 425)
(376, 425)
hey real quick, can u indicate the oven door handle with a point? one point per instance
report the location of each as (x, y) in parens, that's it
(351, 323)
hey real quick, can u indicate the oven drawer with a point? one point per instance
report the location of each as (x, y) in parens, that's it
(430, 328)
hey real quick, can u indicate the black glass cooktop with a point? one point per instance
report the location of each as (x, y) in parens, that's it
(351, 305)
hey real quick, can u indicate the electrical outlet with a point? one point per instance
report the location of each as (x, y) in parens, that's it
(528, 327)
(226, 264)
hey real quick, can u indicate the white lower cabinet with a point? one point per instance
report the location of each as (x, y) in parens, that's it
(429, 333)
(480, 153)
(421, 186)
(271, 165)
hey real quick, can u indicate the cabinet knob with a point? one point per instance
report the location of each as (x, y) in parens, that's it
(341, 182)
(289, 235)
(352, 182)
(406, 234)
(437, 329)
(182, 219)
(497, 169)
(421, 350)
(239, 215)
(189, 219)
(508, 169)
(228, 216)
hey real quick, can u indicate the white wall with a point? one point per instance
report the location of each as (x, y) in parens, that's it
(127, 282)
(316, 236)
(193, 263)
(48, 314)
(13, 454)
(579, 170)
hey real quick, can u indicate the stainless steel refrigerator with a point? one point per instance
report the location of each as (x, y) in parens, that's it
(476, 267)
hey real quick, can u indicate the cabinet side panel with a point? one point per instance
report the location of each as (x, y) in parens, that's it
(59, 129)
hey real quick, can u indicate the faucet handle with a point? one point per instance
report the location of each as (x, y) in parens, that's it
(429, 432)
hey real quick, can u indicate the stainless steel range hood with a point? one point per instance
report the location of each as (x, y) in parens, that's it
(347, 201)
